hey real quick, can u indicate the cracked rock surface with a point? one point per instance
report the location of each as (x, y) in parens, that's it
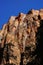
(19, 43)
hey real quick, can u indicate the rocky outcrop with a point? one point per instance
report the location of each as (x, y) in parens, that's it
(18, 38)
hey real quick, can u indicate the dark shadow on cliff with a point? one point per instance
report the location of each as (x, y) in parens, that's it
(40, 42)
(39, 47)
(1, 54)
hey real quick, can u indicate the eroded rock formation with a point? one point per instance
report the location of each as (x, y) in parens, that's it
(18, 38)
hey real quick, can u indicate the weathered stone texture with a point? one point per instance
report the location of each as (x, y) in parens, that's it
(18, 37)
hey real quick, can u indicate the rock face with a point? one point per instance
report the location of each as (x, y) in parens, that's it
(18, 38)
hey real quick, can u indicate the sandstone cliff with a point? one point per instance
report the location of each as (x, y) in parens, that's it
(18, 38)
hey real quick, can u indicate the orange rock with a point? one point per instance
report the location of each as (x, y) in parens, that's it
(41, 10)
(41, 15)
(18, 37)
(35, 12)
(28, 30)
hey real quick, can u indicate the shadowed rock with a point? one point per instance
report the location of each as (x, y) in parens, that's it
(20, 39)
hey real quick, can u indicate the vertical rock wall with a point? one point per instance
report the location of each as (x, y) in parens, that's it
(19, 39)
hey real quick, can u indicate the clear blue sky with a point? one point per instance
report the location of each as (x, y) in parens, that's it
(14, 7)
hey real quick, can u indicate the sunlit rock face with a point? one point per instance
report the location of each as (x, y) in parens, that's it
(18, 38)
